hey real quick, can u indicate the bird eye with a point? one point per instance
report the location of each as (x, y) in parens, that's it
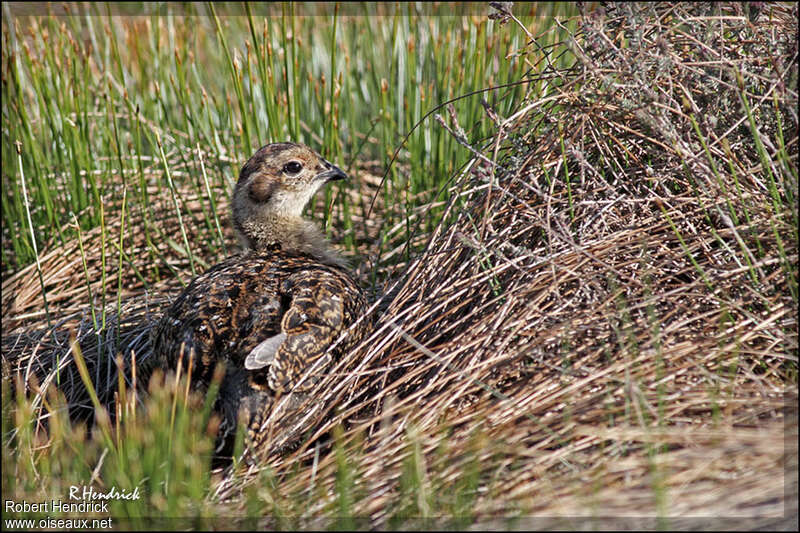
(292, 167)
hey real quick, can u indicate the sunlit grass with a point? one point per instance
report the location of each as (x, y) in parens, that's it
(115, 113)
(111, 113)
(88, 97)
(161, 452)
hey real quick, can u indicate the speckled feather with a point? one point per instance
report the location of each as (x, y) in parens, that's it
(229, 310)
(271, 312)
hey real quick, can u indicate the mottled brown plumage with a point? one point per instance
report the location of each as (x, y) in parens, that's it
(271, 312)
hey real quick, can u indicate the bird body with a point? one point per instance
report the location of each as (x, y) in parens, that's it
(271, 312)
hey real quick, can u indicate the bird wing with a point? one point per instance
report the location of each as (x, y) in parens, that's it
(313, 320)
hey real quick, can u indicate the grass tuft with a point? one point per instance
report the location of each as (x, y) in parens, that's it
(584, 283)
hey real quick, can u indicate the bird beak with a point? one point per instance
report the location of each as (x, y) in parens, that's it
(333, 173)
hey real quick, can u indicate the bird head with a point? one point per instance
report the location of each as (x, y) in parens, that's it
(273, 188)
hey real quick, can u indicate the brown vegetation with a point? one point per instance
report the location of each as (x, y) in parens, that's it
(606, 318)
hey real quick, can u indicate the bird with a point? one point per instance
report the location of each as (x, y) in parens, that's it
(271, 311)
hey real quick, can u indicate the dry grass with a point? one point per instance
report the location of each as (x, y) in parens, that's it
(621, 342)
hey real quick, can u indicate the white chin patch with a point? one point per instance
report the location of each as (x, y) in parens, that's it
(293, 204)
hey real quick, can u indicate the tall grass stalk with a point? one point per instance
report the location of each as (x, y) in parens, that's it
(33, 233)
(346, 86)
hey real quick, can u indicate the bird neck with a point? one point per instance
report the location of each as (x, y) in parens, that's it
(291, 234)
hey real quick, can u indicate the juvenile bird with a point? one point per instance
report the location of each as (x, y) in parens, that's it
(272, 311)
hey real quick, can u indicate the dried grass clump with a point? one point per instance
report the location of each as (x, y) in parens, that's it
(603, 287)
(605, 322)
